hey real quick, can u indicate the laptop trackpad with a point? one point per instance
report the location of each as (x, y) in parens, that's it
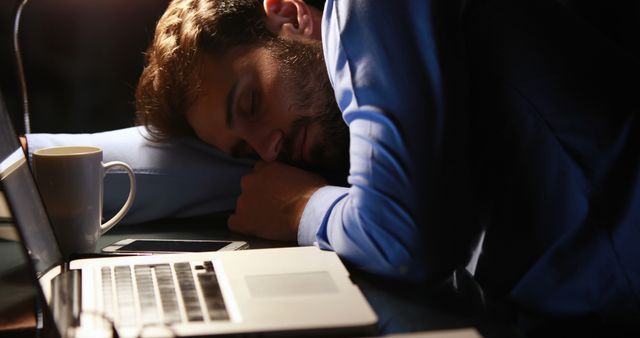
(291, 284)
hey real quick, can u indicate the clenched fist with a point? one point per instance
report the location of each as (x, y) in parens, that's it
(272, 199)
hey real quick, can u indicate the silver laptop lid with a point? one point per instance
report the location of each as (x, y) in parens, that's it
(24, 200)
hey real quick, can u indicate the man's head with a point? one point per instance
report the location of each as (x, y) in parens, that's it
(247, 77)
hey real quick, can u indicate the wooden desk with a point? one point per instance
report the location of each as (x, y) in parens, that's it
(400, 307)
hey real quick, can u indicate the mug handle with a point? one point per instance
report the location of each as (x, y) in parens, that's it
(132, 193)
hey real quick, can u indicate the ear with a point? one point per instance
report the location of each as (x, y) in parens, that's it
(292, 19)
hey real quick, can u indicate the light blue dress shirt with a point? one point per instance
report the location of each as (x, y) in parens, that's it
(179, 179)
(369, 223)
(385, 61)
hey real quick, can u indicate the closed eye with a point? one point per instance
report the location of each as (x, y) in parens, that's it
(247, 107)
(254, 102)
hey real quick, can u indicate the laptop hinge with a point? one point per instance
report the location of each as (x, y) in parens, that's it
(66, 300)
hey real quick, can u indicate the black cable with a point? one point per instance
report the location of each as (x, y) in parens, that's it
(23, 82)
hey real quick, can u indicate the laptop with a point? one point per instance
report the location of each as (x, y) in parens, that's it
(283, 291)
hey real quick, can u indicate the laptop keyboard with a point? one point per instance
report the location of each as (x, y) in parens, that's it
(162, 294)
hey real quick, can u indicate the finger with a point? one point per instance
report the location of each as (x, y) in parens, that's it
(242, 204)
(250, 181)
(235, 224)
(244, 182)
(232, 222)
(259, 165)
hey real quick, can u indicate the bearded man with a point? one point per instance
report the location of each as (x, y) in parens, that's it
(357, 117)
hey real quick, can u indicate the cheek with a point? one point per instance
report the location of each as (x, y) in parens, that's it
(276, 114)
(220, 139)
(199, 124)
(280, 101)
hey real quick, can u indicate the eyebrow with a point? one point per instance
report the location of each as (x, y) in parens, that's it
(230, 104)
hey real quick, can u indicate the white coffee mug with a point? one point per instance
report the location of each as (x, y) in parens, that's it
(70, 180)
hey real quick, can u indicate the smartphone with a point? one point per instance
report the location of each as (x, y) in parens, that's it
(157, 246)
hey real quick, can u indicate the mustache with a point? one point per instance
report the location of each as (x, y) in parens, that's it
(286, 154)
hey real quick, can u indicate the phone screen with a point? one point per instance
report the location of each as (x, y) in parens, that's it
(173, 246)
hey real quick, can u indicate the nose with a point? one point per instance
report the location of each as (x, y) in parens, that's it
(266, 143)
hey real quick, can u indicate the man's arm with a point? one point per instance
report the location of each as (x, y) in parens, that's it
(394, 69)
(407, 212)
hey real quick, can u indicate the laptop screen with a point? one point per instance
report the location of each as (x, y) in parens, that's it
(24, 200)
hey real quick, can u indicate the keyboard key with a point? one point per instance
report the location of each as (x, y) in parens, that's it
(188, 291)
(213, 295)
(146, 295)
(168, 297)
(126, 303)
(107, 292)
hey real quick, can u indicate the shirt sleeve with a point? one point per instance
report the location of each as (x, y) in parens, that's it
(181, 178)
(369, 223)
(405, 213)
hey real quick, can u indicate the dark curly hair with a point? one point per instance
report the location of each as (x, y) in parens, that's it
(188, 30)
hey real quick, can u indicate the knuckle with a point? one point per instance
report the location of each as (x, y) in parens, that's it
(240, 203)
(259, 165)
(245, 182)
(232, 222)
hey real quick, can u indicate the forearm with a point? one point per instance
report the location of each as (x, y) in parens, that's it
(407, 211)
(371, 223)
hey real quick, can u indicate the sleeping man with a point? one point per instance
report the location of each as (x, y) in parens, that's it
(293, 148)
(348, 129)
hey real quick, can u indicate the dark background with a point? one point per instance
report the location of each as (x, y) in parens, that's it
(82, 58)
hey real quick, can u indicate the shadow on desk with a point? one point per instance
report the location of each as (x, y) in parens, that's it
(404, 307)
(16, 292)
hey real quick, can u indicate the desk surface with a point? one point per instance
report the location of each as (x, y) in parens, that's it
(400, 307)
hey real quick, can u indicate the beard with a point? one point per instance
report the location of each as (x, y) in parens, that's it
(305, 76)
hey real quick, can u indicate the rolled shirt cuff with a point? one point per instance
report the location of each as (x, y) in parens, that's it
(316, 211)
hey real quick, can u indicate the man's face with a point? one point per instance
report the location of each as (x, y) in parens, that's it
(273, 103)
